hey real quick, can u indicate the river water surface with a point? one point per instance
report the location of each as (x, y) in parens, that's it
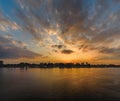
(75, 84)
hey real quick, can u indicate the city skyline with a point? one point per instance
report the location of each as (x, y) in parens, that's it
(59, 31)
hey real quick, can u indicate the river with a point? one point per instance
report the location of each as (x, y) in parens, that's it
(55, 84)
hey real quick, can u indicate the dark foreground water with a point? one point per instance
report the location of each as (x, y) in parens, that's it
(78, 84)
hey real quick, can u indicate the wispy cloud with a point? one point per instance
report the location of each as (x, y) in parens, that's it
(6, 24)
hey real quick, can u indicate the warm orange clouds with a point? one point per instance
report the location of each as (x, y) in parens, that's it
(61, 31)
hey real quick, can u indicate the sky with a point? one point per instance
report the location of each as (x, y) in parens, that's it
(60, 31)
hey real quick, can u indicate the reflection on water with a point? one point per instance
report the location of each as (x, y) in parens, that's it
(77, 84)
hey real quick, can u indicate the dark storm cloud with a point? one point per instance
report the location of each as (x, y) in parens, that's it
(10, 48)
(67, 51)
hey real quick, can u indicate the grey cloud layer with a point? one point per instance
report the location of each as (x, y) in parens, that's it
(12, 49)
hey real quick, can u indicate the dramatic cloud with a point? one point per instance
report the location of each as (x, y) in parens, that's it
(10, 48)
(85, 26)
(75, 21)
(67, 51)
(58, 46)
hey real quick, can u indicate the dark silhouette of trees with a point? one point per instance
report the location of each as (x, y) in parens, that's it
(57, 65)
